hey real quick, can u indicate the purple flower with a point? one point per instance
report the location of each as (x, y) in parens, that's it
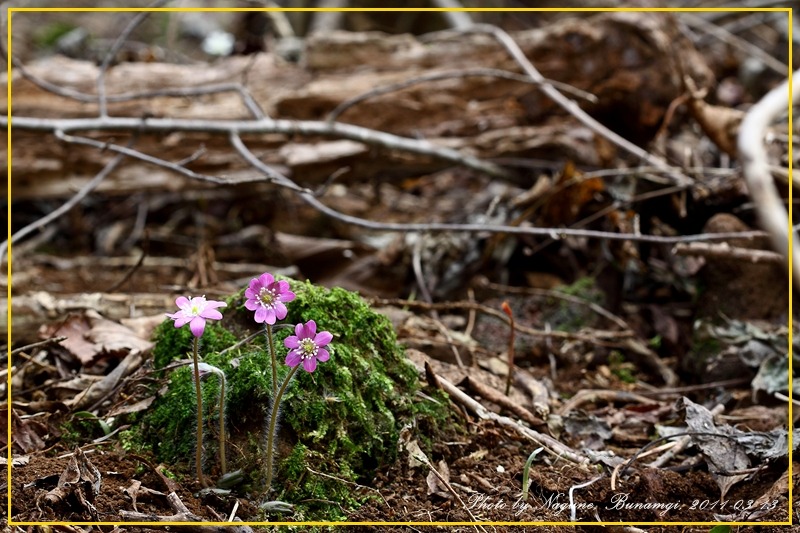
(266, 297)
(195, 312)
(306, 346)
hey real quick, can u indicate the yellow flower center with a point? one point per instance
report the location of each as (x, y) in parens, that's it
(267, 297)
(308, 348)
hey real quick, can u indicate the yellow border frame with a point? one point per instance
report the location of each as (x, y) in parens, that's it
(11, 10)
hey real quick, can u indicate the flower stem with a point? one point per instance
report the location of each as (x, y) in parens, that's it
(222, 463)
(199, 452)
(273, 419)
(272, 358)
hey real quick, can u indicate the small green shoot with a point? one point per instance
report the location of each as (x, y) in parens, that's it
(526, 472)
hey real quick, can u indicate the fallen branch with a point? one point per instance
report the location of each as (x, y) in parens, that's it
(183, 514)
(491, 395)
(725, 250)
(548, 442)
(571, 107)
(335, 130)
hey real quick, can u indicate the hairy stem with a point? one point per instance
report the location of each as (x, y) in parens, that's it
(271, 342)
(273, 419)
(222, 463)
(199, 452)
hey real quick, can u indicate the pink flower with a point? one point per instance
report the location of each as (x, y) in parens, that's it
(266, 297)
(195, 312)
(306, 346)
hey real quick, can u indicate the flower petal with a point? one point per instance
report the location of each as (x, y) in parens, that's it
(291, 342)
(300, 331)
(212, 314)
(280, 310)
(266, 279)
(197, 325)
(310, 364)
(311, 329)
(213, 304)
(251, 304)
(261, 314)
(323, 355)
(323, 338)
(270, 313)
(293, 359)
(182, 301)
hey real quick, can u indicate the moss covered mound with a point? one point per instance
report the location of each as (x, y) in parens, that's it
(342, 420)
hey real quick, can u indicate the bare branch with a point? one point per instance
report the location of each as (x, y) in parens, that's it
(175, 167)
(112, 53)
(265, 125)
(734, 40)
(725, 250)
(571, 107)
(65, 208)
(436, 76)
(553, 233)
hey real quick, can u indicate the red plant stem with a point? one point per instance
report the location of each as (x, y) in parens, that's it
(507, 310)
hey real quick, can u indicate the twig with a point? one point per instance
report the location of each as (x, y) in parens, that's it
(131, 271)
(347, 482)
(46, 342)
(553, 233)
(594, 338)
(468, 73)
(65, 208)
(416, 264)
(489, 394)
(510, 374)
(175, 167)
(680, 445)
(112, 54)
(450, 488)
(549, 443)
(335, 130)
(183, 514)
(571, 107)
(734, 40)
(558, 295)
(178, 92)
(725, 250)
(592, 396)
(755, 165)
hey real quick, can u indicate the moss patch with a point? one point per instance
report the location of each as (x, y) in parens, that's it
(343, 420)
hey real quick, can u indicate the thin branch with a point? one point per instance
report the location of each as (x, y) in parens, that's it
(175, 167)
(552, 445)
(572, 107)
(65, 208)
(725, 250)
(335, 130)
(753, 155)
(734, 40)
(112, 54)
(436, 76)
(176, 92)
(561, 296)
(46, 342)
(553, 233)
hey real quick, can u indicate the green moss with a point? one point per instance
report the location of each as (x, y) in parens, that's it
(343, 420)
(571, 316)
